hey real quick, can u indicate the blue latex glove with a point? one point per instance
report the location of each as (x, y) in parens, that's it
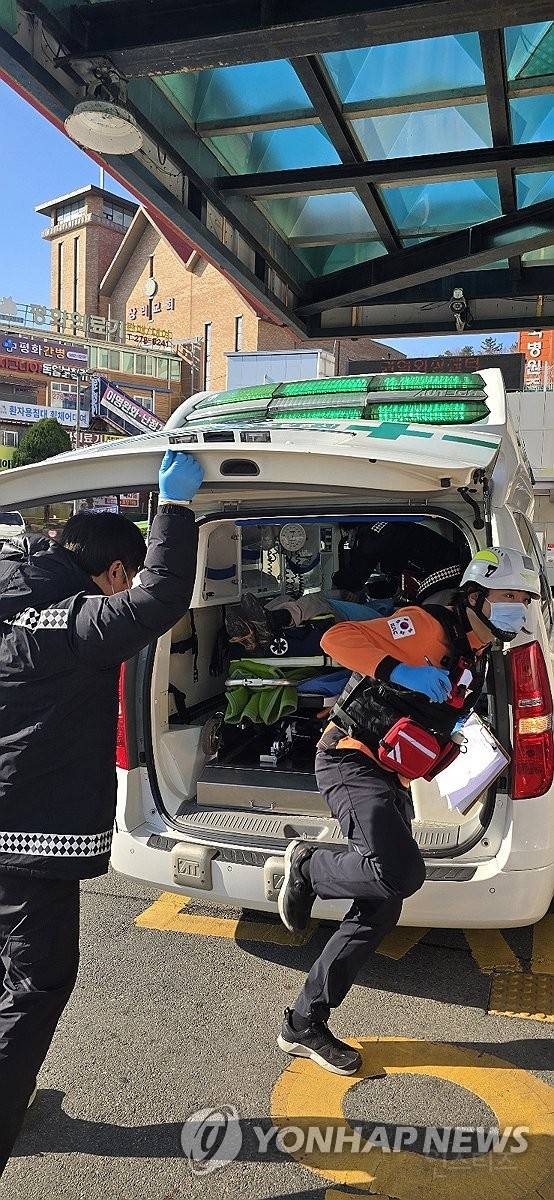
(430, 681)
(180, 476)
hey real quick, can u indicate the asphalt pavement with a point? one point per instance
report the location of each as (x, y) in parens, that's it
(166, 1022)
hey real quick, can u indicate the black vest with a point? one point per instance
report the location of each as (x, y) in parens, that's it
(367, 708)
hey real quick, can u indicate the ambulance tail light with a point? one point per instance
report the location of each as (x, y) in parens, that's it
(533, 764)
(121, 748)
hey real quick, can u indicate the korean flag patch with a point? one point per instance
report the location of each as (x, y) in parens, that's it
(401, 627)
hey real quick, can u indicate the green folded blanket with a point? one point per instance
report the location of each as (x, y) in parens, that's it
(263, 705)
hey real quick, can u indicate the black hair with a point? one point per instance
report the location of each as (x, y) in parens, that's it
(98, 539)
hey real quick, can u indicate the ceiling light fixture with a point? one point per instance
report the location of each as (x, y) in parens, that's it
(105, 127)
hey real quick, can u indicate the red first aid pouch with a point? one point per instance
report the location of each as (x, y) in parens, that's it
(414, 752)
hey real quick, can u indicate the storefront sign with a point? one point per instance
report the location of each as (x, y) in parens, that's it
(6, 456)
(149, 336)
(88, 438)
(27, 414)
(31, 366)
(85, 324)
(130, 500)
(538, 348)
(108, 400)
(33, 347)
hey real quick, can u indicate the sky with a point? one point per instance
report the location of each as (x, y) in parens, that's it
(48, 164)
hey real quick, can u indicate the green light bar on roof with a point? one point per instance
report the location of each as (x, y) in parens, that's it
(457, 412)
(398, 381)
(413, 383)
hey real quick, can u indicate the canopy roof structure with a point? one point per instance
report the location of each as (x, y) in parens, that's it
(347, 164)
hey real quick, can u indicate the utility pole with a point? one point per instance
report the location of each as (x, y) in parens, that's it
(78, 413)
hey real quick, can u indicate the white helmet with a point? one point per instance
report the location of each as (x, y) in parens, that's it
(503, 568)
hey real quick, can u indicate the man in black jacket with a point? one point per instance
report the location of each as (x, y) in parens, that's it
(59, 671)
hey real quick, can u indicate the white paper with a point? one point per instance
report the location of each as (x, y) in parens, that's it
(472, 773)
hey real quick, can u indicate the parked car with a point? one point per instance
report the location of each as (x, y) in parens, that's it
(12, 526)
(293, 473)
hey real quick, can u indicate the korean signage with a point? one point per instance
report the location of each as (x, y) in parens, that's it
(538, 348)
(84, 324)
(6, 456)
(39, 347)
(109, 401)
(157, 308)
(29, 413)
(88, 438)
(511, 366)
(33, 366)
(148, 335)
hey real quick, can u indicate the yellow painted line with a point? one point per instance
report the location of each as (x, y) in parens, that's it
(168, 915)
(400, 940)
(305, 1094)
(542, 961)
(530, 997)
(491, 951)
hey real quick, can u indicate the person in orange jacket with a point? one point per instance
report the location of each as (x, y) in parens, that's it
(407, 662)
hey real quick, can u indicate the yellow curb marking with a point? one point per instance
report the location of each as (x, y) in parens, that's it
(400, 940)
(542, 962)
(168, 914)
(530, 997)
(491, 951)
(516, 1098)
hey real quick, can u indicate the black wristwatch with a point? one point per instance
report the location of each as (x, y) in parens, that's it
(166, 506)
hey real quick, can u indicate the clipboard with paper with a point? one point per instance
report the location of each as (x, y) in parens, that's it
(474, 771)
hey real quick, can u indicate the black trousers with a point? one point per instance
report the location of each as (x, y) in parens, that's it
(39, 959)
(380, 867)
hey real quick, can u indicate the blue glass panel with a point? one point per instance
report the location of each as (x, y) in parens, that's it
(336, 215)
(534, 186)
(439, 207)
(275, 149)
(533, 118)
(427, 131)
(540, 257)
(530, 50)
(323, 259)
(252, 89)
(407, 69)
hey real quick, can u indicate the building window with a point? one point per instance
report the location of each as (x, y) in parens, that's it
(113, 357)
(128, 363)
(175, 369)
(69, 212)
(140, 364)
(102, 357)
(207, 355)
(60, 273)
(75, 274)
(116, 214)
(63, 395)
(146, 400)
(238, 333)
(10, 438)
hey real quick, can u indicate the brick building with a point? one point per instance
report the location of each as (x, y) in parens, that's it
(157, 318)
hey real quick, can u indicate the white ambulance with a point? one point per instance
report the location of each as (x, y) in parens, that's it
(210, 794)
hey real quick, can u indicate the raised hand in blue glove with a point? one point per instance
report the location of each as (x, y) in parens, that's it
(430, 681)
(180, 477)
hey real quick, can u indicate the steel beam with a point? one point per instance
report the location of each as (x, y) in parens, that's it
(142, 38)
(316, 84)
(530, 229)
(459, 164)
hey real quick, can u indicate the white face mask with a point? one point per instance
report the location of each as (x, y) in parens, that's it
(509, 615)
